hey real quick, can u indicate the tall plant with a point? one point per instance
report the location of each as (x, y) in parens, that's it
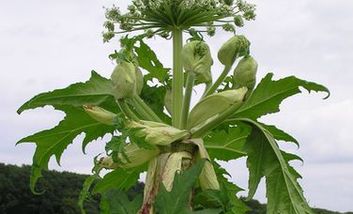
(146, 109)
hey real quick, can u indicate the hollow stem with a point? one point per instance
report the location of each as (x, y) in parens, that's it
(220, 79)
(178, 79)
(190, 80)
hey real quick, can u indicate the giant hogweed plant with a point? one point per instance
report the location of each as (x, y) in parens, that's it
(145, 108)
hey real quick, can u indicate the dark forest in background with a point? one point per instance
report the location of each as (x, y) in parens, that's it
(62, 192)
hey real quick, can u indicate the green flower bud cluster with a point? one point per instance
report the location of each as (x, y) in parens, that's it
(236, 46)
(127, 80)
(197, 58)
(248, 10)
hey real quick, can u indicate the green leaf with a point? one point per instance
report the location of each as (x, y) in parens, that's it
(209, 199)
(148, 60)
(54, 141)
(117, 202)
(225, 128)
(227, 144)
(269, 94)
(119, 178)
(93, 92)
(231, 203)
(208, 211)
(279, 134)
(177, 200)
(265, 159)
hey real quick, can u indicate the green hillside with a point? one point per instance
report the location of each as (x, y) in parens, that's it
(61, 195)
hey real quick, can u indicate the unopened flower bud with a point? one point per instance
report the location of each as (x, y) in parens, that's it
(156, 133)
(149, 33)
(107, 36)
(214, 104)
(235, 47)
(124, 80)
(229, 2)
(109, 26)
(229, 27)
(245, 73)
(211, 30)
(238, 21)
(197, 58)
(99, 114)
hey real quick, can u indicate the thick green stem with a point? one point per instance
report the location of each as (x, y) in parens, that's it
(126, 110)
(145, 108)
(190, 80)
(220, 79)
(178, 79)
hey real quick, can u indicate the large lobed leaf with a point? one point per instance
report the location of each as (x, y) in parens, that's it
(269, 94)
(93, 92)
(265, 159)
(54, 141)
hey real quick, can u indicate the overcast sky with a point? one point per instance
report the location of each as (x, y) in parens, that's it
(50, 44)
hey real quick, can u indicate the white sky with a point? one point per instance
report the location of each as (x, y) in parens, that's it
(50, 44)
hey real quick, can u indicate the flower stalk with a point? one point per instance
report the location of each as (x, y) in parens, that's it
(178, 78)
(218, 82)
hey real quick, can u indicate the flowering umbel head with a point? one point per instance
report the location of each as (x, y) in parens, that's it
(162, 16)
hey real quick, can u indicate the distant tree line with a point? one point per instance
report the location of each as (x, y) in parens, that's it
(61, 194)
